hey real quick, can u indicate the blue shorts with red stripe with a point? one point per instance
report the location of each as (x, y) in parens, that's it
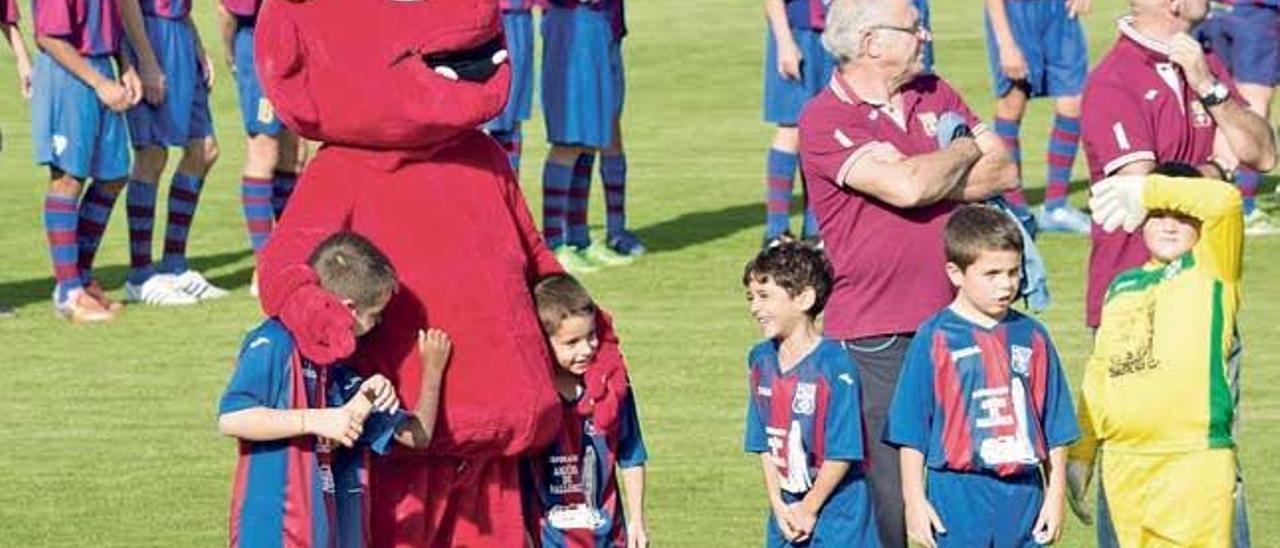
(255, 110)
(1247, 37)
(184, 115)
(784, 97)
(845, 520)
(582, 77)
(1052, 43)
(984, 510)
(73, 131)
(518, 27)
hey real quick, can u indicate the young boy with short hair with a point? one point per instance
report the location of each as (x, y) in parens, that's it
(982, 404)
(804, 411)
(571, 487)
(290, 414)
(1157, 391)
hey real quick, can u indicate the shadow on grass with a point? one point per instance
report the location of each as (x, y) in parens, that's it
(697, 227)
(36, 290)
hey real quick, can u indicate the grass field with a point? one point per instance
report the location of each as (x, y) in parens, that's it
(109, 430)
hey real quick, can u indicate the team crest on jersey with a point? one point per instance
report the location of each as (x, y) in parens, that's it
(929, 121)
(1199, 116)
(804, 401)
(1021, 357)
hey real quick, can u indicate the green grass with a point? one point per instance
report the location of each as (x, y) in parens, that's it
(108, 430)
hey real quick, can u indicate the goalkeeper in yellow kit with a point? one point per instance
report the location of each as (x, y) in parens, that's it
(1156, 390)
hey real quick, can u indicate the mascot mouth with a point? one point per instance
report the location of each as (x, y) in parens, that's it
(476, 64)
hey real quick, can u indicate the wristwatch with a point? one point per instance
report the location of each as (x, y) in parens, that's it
(1216, 95)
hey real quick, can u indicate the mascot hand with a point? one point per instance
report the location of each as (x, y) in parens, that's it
(1117, 202)
(321, 323)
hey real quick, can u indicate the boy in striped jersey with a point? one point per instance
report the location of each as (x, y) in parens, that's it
(1157, 391)
(293, 485)
(982, 403)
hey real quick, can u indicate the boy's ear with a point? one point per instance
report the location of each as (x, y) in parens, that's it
(955, 274)
(806, 299)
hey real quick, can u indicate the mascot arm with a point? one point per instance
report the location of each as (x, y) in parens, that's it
(606, 380)
(290, 290)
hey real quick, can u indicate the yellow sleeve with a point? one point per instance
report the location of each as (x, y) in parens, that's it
(1088, 413)
(1219, 208)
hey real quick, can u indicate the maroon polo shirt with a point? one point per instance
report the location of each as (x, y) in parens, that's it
(1137, 106)
(889, 262)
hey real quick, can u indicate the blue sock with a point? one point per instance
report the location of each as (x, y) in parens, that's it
(613, 173)
(779, 184)
(556, 180)
(1247, 181)
(140, 203)
(580, 200)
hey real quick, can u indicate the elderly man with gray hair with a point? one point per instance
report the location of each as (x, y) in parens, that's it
(888, 152)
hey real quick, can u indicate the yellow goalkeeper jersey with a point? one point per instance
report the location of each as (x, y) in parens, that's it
(1157, 381)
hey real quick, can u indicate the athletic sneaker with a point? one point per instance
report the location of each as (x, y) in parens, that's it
(158, 290)
(79, 307)
(1258, 223)
(574, 261)
(626, 243)
(94, 289)
(194, 284)
(605, 256)
(6, 311)
(785, 238)
(1064, 219)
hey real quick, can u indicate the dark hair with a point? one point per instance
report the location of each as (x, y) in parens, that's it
(559, 297)
(1177, 169)
(794, 267)
(351, 267)
(974, 228)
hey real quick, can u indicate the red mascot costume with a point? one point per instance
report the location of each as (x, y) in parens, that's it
(395, 90)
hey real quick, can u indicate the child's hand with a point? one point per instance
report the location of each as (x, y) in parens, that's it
(1048, 525)
(789, 59)
(153, 82)
(637, 534)
(379, 391)
(435, 347)
(922, 522)
(338, 424)
(132, 84)
(802, 520)
(782, 515)
(113, 95)
(1078, 475)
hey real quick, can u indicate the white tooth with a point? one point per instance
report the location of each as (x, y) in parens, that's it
(447, 73)
(499, 57)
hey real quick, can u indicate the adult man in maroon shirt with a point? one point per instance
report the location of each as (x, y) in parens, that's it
(883, 185)
(1158, 97)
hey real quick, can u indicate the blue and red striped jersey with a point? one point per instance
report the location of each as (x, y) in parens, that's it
(93, 27)
(804, 416)
(977, 399)
(243, 8)
(571, 487)
(807, 14)
(169, 9)
(613, 9)
(9, 12)
(299, 492)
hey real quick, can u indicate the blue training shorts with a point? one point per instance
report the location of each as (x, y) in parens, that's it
(582, 77)
(255, 110)
(518, 27)
(184, 115)
(1247, 38)
(783, 97)
(983, 510)
(1053, 44)
(71, 130)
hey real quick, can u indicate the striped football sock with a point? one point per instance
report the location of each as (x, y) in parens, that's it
(282, 185)
(579, 201)
(95, 212)
(1064, 142)
(255, 200)
(140, 203)
(184, 196)
(613, 175)
(1247, 181)
(1008, 131)
(60, 219)
(780, 168)
(556, 180)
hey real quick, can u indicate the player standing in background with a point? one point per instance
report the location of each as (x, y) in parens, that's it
(272, 158)
(181, 119)
(517, 26)
(1246, 36)
(11, 34)
(1036, 48)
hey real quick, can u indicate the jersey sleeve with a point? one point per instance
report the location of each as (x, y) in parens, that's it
(1114, 128)
(955, 103)
(831, 144)
(53, 17)
(1219, 208)
(843, 429)
(756, 439)
(631, 450)
(1059, 420)
(380, 430)
(910, 417)
(261, 375)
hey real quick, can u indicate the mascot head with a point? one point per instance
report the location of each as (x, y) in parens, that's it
(391, 74)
